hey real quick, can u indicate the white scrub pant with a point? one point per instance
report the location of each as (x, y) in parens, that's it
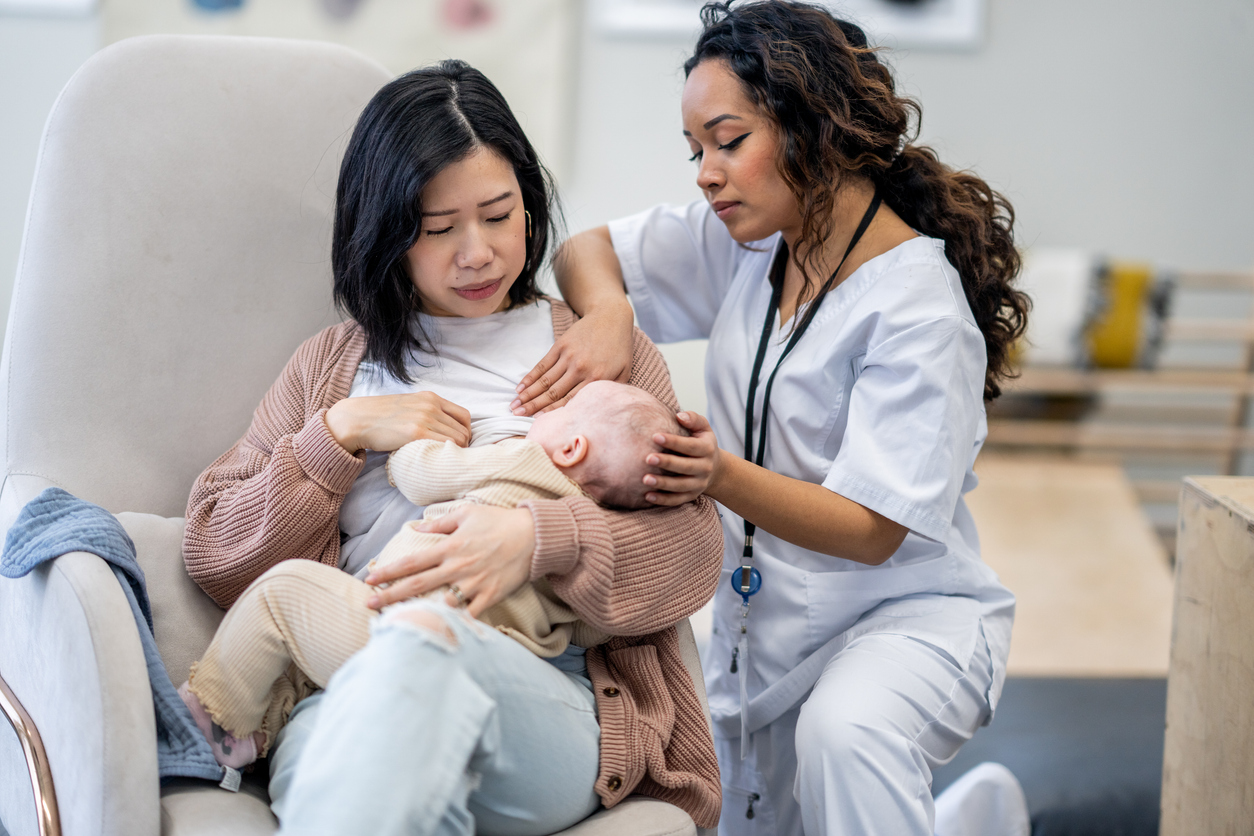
(856, 757)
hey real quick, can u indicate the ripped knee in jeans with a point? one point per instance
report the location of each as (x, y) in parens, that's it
(424, 616)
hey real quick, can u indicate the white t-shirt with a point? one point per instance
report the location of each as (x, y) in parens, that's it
(477, 364)
(881, 401)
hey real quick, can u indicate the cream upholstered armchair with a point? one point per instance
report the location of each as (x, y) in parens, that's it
(175, 254)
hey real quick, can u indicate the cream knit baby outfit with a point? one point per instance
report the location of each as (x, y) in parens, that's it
(301, 620)
(502, 474)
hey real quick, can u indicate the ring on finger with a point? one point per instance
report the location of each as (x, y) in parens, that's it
(457, 593)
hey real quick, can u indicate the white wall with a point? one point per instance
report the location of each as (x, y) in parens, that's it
(1120, 125)
(37, 56)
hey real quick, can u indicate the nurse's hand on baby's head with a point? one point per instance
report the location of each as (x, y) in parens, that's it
(603, 439)
(597, 347)
(689, 463)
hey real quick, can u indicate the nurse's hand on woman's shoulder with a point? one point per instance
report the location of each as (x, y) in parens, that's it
(597, 347)
(388, 422)
(690, 465)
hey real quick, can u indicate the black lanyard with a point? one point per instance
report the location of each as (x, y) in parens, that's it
(747, 587)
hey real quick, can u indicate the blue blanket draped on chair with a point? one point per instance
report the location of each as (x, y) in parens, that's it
(56, 523)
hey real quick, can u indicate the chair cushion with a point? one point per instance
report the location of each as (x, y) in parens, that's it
(184, 617)
(192, 808)
(636, 816)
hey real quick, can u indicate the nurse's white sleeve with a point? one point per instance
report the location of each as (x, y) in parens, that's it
(915, 412)
(678, 262)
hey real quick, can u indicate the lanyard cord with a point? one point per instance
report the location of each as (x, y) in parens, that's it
(776, 296)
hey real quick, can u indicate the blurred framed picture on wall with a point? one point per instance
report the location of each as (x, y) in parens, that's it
(909, 24)
(47, 8)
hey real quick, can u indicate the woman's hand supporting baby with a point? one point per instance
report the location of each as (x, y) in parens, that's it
(388, 422)
(487, 554)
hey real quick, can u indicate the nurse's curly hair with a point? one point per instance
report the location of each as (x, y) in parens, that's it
(838, 112)
(415, 126)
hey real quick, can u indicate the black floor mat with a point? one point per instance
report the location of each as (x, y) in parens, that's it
(1088, 752)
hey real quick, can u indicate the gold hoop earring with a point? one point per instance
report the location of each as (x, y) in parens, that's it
(528, 216)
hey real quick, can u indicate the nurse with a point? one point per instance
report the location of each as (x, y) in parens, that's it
(857, 295)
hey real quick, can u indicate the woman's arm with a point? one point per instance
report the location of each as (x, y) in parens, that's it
(913, 420)
(678, 262)
(591, 279)
(598, 346)
(389, 422)
(276, 494)
(803, 513)
(589, 275)
(629, 572)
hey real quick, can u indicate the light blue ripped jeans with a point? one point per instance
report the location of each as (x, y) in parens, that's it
(419, 735)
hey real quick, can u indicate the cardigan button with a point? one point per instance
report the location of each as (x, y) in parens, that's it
(610, 691)
(614, 784)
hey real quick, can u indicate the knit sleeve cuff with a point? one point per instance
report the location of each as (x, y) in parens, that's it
(322, 458)
(557, 537)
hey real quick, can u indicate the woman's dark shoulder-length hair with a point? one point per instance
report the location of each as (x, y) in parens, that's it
(413, 127)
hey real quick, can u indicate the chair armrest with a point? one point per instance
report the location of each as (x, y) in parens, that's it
(692, 661)
(70, 652)
(45, 818)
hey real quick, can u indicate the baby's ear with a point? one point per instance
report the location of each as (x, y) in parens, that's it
(572, 452)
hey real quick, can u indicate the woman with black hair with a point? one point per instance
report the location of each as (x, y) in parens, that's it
(858, 299)
(441, 724)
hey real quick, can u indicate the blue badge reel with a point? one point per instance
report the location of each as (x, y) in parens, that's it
(755, 583)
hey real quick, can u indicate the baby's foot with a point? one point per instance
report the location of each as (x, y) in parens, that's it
(228, 750)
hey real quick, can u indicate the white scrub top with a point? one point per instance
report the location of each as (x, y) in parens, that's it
(881, 401)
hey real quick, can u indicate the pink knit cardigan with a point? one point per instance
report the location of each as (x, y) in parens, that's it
(276, 496)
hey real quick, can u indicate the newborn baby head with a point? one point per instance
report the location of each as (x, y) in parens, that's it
(601, 437)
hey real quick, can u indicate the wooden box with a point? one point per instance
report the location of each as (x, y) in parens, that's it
(1208, 758)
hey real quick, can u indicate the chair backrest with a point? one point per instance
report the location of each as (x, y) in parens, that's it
(176, 253)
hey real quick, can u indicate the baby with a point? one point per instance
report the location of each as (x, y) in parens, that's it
(301, 620)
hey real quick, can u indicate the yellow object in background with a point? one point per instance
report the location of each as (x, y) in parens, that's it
(1015, 354)
(1114, 336)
